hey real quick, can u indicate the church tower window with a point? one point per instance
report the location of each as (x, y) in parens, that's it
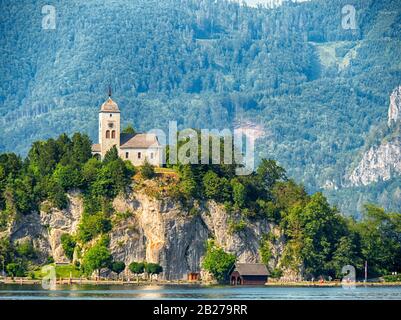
(108, 134)
(113, 134)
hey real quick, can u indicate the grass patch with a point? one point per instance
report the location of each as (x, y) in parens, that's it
(62, 271)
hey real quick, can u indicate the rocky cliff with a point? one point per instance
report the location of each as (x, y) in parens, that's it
(46, 228)
(379, 163)
(383, 161)
(394, 110)
(153, 230)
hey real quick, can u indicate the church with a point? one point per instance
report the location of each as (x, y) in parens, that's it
(135, 147)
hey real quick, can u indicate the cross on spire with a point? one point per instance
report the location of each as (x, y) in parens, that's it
(109, 91)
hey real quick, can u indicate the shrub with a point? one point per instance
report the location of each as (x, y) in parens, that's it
(153, 268)
(67, 177)
(96, 258)
(276, 273)
(118, 266)
(265, 250)
(26, 250)
(68, 243)
(216, 188)
(16, 269)
(56, 195)
(147, 170)
(392, 278)
(236, 226)
(217, 261)
(92, 225)
(137, 267)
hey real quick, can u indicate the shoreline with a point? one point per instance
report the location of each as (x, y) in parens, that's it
(303, 284)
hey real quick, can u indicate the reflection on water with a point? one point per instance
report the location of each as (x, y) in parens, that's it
(153, 292)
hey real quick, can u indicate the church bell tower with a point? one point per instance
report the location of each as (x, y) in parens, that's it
(109, 126)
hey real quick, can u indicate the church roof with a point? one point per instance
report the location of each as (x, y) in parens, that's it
(138, 140)
(109, 106)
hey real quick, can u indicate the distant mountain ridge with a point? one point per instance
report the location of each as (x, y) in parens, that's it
(315, 89)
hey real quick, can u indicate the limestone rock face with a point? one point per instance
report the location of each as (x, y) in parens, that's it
(60, 222)
(382, 162)
(30, 228)
(394, 110)
(244, 244)
(160, 231)
(379, 163)
(45, 229)
(147, 229)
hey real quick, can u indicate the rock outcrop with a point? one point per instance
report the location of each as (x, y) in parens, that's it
(161, 231)
(394, 110)
(151, 230)
(379, 163)
(45, 229)
(382, 162)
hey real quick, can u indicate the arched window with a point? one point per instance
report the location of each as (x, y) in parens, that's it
(108, 134)
(113, 134)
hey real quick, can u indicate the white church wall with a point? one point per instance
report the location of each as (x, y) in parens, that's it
(137, 156)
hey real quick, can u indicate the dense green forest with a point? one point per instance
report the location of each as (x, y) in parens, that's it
(316, 90)
(318, 239)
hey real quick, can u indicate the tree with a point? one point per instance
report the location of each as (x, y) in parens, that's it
(239, 193)
(137, 268)
(7, 253)
(265, 251)
(188, 185)
(43, 157)
(56, 194)
(90, 171)
(92, 225)
(313, 231)
(96, 258)
(268, 172)
(114, 177)
(380, 234)
(216, 188)
(346, 253)
(16, 269)
(68, 243)
(288, 193)
(111, 155)
(26, 250)
(81, 148)
(11, 165)
(211, 185)
(118, 267)
(217, 261)
(19, 195)
(129, 129)
(67, 177)
(153, 268)
(147, 170)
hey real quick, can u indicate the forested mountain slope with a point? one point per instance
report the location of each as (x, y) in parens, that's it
(316, 90)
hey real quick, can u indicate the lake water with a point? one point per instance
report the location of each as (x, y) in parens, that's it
(111, 292)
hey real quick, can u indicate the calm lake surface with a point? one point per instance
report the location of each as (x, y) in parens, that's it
(120, 292)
